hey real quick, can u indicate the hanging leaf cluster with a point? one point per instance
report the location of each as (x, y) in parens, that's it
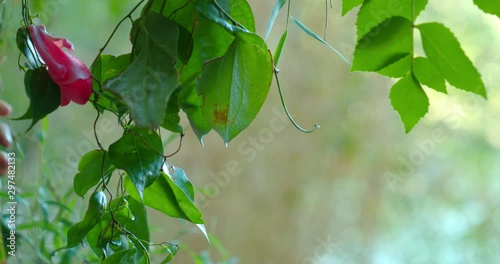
(385, 44)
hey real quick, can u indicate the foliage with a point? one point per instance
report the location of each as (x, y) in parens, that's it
(203, 57)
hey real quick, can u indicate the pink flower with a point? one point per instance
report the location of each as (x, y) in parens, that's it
(72, 76)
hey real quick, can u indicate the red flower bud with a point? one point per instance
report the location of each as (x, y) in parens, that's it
(72, 76)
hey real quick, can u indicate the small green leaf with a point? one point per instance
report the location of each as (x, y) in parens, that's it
(146, 84)
(93, 215)
(180, 179)
(409, 100)
(489, 6)
(427, 74)
(374, 12)
(235, 87)
(443, 49)
(383, 46)
(279, 48)
(318, 38)
(91, 167)
(138, 152)
(44, 95)
(274, 14)
(171, 250)
(348, 5)
(165, 196)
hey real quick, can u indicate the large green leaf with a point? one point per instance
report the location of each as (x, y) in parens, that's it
(392, 43)
(374, 12)
(443, 49)
(409, 100)
(93, 215)
(91, 167)
(427, 74)
(146, 84)
(44, 95)
(138, 152)
(235, 87)
(165, 196)
(489, 6)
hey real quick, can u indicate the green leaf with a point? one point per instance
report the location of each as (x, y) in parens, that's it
(374, 12)
(409, 100)
(146, 84)
(139, 225)
(318, 38)
(279, 48)
(91, 167)
(138, 152)
(443, 49)
(191, 103)
(348, 5)
(489, 6)
(427, 74)
(93, 215)
(392, 43)
(235, 87)
(44, 95)
(171, 250)
(225, 13)
(165, 196)
(172, 118)
(180, 179)
(397, 69)
(274, 14)
(121, 257)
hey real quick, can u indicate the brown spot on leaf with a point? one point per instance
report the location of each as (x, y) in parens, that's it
(220, 117)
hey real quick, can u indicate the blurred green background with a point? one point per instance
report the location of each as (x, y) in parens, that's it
(359, 190)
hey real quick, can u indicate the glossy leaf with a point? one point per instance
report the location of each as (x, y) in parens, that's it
(165, 196)
(138, 152)
(318, 38)
(139, 225)
(235, 86)
(348, 5)
(392, 43)
(427, 74)
(91, 167)
(94, 213)
(146, 84)
(374, 12)
(121, 257)
(489, 6)
(443, 49)
(274, 14)
(409, 100)
(44, 95)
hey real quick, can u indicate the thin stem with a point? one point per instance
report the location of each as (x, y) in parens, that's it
(128, 16)
(326, 19)
(316, 126)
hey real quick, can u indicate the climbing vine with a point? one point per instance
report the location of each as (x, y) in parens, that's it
(203, 57)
